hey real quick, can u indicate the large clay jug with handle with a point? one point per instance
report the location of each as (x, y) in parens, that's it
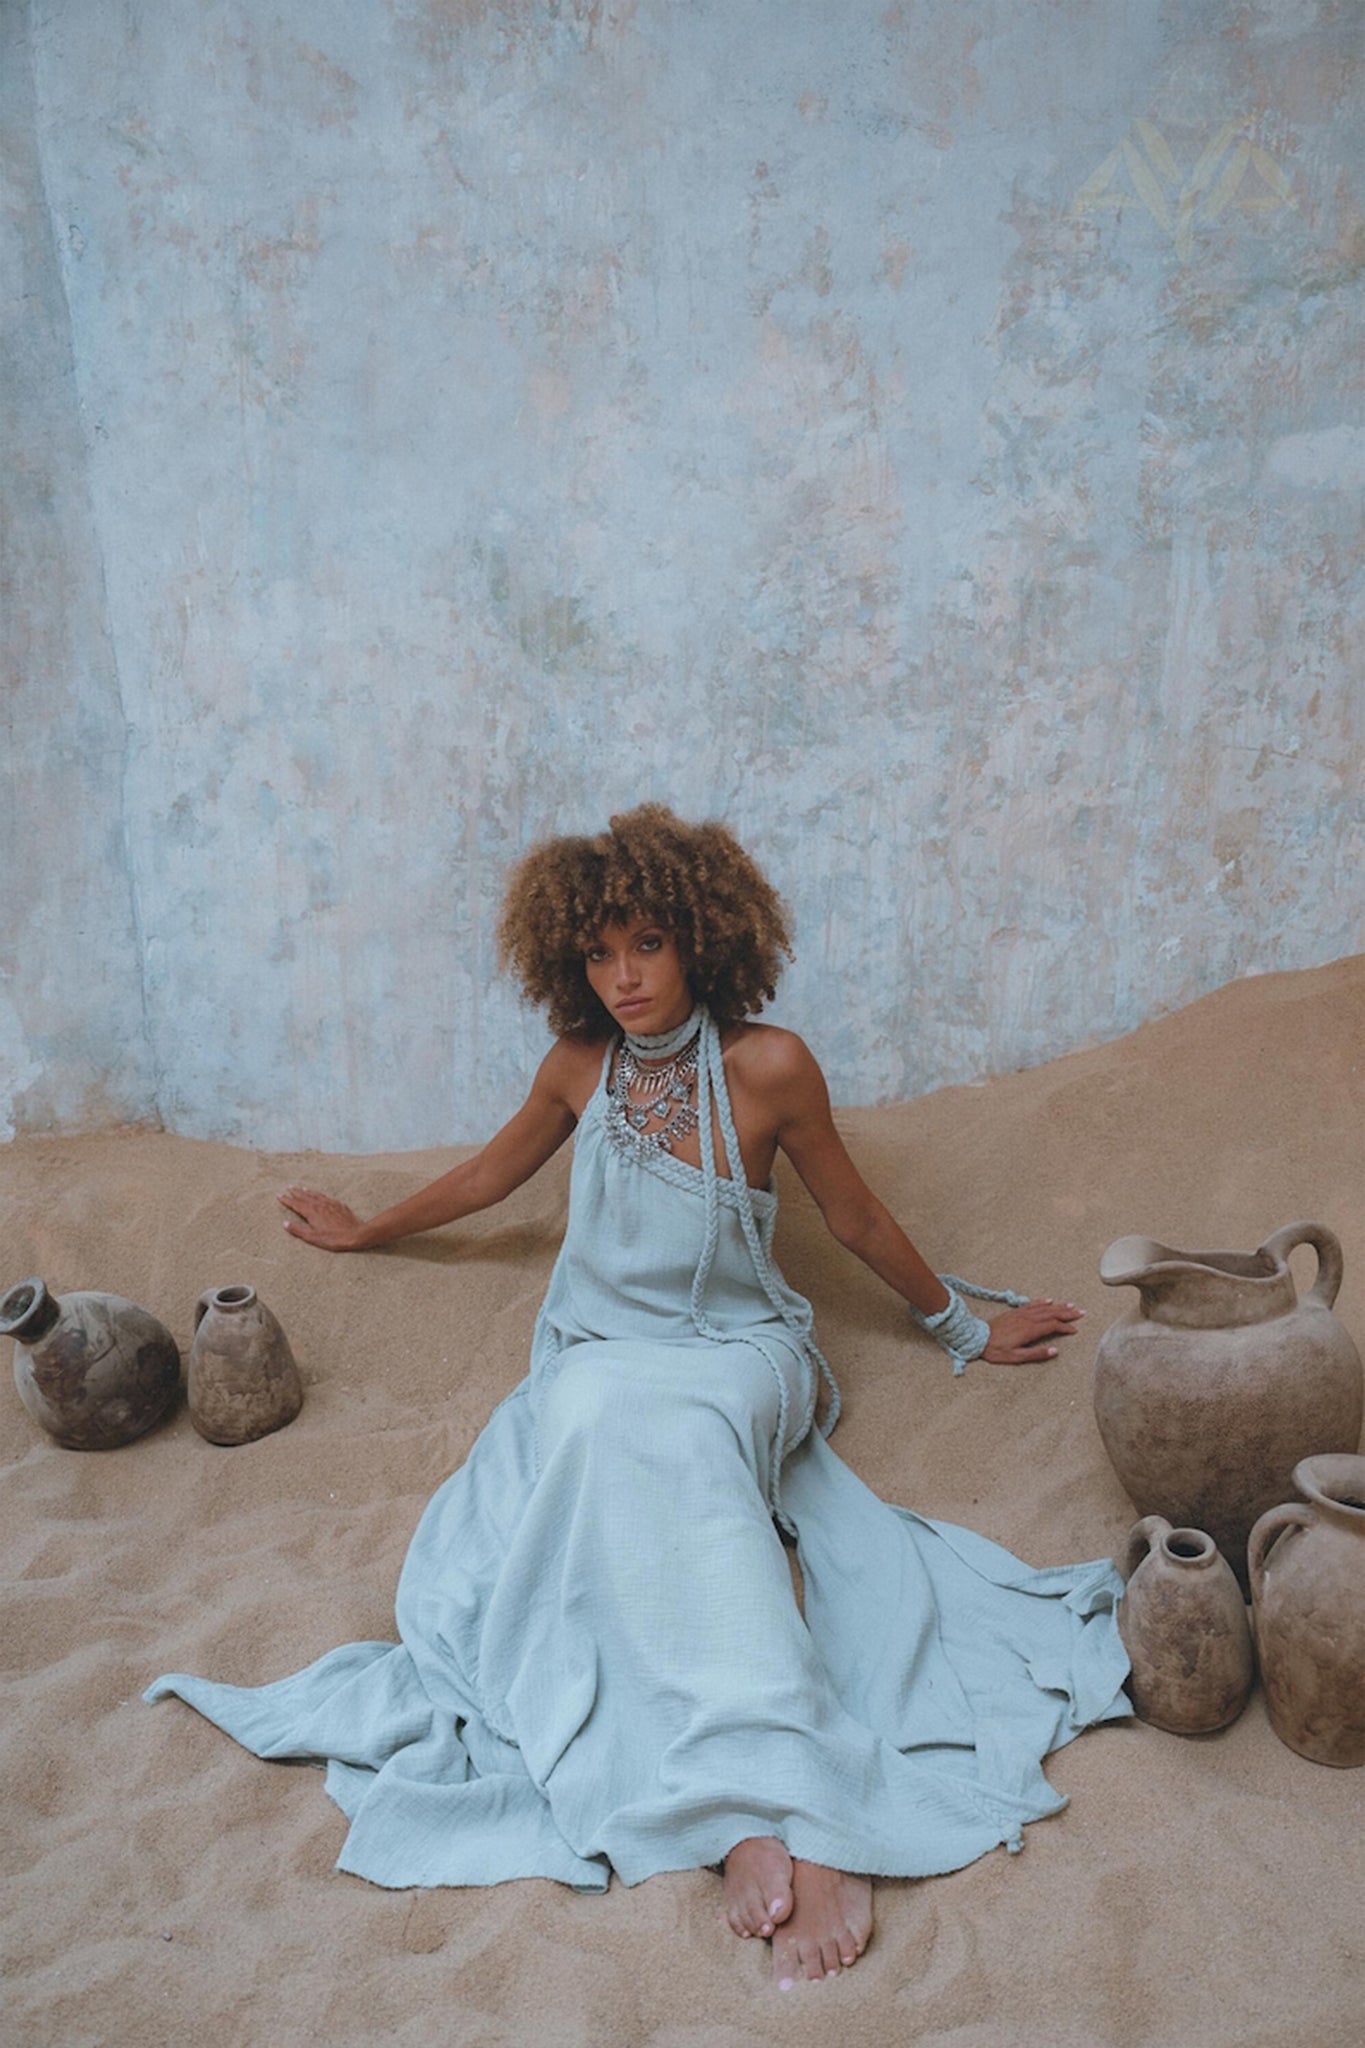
(94, 1369)
(243, 1382)
(1307, 1562)
(1184, 1625)
(1212, 1388)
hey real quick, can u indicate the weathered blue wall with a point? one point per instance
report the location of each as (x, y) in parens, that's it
(74, 1049)
(924, 435)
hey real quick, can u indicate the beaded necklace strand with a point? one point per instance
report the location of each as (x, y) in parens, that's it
(657, 1105)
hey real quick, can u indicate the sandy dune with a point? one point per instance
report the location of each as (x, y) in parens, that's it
(160, 1882)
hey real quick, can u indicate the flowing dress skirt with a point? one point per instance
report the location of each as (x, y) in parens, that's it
(602, 1665)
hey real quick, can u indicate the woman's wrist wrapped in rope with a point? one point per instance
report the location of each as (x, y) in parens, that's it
(962, 1334)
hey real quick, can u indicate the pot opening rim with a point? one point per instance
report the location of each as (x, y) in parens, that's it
(1334, 1479)
(1190, 1546)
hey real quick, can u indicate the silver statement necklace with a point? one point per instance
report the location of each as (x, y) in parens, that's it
(656, 1105)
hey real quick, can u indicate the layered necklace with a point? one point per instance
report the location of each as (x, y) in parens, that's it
(656, 1105)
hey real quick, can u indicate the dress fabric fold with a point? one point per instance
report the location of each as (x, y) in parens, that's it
(602, 1666)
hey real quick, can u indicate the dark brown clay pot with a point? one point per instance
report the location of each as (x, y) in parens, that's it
(243, 1381)
(1307, 1561)
(95, 1370)
(1209, 1392)
(1184, 1625)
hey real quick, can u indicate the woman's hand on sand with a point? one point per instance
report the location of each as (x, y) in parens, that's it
(321, 1220)
(1024, 1334)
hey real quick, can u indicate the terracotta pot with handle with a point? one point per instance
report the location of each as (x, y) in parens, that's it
(1307, 1565)
(1184, 1625)
(1211, 1389)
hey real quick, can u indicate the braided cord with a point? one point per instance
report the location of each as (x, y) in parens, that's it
(702, 1322)
(963, 1335)
(711, 1088)
(799, 1321)
(1005, 1294)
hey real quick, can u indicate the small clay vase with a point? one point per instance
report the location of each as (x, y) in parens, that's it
(243, 1381)
(1184, 1626)
(1209, 1391)
(95, 1370)
(1307, 1563)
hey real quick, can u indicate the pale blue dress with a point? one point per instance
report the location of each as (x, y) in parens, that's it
(602, 1664)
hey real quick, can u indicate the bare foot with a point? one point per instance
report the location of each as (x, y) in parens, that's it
(758, 1885)
(829, 1926)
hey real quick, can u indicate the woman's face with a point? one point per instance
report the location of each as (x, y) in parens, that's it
(636, 972)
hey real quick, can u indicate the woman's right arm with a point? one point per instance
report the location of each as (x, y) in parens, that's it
(519, 1149)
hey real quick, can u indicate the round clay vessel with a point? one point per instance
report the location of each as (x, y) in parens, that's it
(1184, 1625)
(1307, 1561)
(1211, 1389)
(243, 1381)
(95, 1370)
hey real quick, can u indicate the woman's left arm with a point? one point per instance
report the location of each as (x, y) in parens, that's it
(789, 1078)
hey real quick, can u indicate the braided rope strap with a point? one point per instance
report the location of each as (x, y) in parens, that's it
(963, 1335)
(711, 1088)
(799, 1321)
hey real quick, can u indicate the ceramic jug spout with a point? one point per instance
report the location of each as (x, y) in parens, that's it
(1202, 1290)
(1138, 1261)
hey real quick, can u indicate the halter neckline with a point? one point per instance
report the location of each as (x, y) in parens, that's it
(662, 1045)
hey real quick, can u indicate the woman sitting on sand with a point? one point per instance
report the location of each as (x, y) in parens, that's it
(603, 1665)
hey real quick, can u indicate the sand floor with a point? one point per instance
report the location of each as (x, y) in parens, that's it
(160, 1883)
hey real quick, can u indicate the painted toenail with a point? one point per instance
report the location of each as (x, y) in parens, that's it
(787, 1984)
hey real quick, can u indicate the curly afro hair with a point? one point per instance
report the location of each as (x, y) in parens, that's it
(727, 919)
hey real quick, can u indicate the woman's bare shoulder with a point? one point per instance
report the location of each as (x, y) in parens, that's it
(581, 1051)
(769, 1056)
(570, 1069)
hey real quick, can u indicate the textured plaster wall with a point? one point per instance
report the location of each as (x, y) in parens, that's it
(928, 435)
(73, 1044)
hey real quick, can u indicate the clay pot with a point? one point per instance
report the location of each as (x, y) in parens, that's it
(1209, 1392)
(95, 1370)
(1307, 1564)
(243, 1379)
(1184, 1625)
